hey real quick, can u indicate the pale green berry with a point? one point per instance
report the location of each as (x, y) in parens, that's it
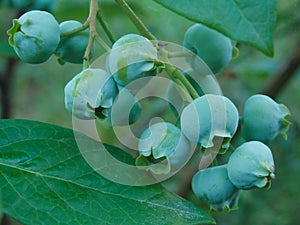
(132, 57)
(213, 186)
(163, 148)
(89, 91)
(251, 165)
(72, 48)
(264, 119)
(207, 117)
(212, 47)
(34, 36)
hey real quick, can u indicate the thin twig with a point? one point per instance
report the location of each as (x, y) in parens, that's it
(136, 20)
(105, 28)
(102, 42)
(94, 7)
(175, 73)
(76, 30)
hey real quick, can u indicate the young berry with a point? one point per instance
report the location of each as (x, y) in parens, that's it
(251, 165)
(263, 119)
(34, 36)
(90, 92)
(163, 148)
(72, 48)
(213, 186)
(211, 46)
(207, 117)
(132, 56)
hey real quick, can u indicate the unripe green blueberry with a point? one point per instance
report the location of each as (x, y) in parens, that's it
(161, 141)
(34, 36)
(72, 48)
(212, 47)
(251, 165)
(263, 119)
(213, 186)
(132, 56)
(90, 90)
(207, 117)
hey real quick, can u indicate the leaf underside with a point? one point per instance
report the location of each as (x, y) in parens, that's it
(45, 180)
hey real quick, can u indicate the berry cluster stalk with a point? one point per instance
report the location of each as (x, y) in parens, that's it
(136, 20)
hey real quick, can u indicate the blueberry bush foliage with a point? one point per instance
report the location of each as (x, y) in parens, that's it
(155, 137)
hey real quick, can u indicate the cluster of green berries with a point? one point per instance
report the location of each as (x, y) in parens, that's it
(164, 147)
(251, 165)
(36, 35)
(93, 92)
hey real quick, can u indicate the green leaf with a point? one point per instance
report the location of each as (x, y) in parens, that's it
(6, 50)
(45, 180)
(249, 22)
(1, 206)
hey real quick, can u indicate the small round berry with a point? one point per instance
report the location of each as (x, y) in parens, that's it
(89, 91)
(207, 117)
(213, 186)
(71, 49)
(163, 148)
(132, 56)
(212, 47)
(264, 119)
(34, 36)
(251, 165)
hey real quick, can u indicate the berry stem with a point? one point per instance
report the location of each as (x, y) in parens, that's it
(171, 70)
(91, 20)
(102, 42)
(85, 64)
(214, 162)
(175, 73)
(105, 28)
(136, 20)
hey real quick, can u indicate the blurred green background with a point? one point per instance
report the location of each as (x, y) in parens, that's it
(37, 94)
